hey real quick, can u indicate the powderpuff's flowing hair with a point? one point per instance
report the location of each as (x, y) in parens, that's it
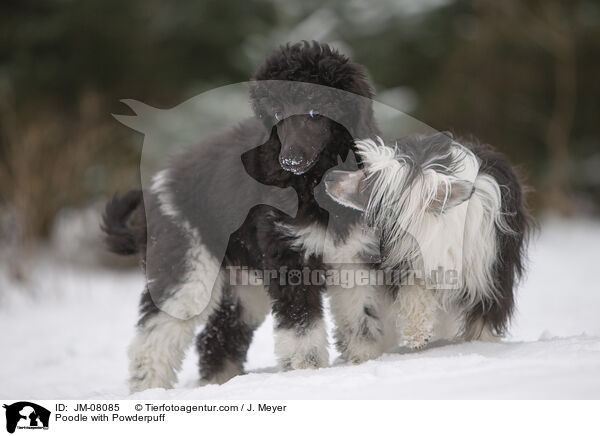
(437, 204)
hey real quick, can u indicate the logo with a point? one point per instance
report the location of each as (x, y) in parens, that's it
(26, 415)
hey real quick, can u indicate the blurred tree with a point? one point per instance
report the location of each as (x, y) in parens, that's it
(515, 74)
(64, 66)
(520, 75)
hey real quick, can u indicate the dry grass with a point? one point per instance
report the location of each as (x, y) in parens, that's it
(45, 158)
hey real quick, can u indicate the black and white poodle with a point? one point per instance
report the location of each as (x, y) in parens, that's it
(310, 104)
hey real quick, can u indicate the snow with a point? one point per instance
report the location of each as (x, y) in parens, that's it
(65, 333)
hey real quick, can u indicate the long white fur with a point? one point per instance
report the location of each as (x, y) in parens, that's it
(462, 238)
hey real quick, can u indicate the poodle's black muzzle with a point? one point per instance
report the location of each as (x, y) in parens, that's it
(302, 138)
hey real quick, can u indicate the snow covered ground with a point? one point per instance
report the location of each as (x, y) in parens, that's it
(65, 332)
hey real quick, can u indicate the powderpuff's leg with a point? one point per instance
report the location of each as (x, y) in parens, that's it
(359, 319)
(486, 321)
(390, 322)
(223, 343)
(300, 334)
(417, 308)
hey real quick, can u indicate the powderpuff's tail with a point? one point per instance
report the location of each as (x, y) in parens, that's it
(125, 231)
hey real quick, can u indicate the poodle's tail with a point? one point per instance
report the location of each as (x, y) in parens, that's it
(124, 235)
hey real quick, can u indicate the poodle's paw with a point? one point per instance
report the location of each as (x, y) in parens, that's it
(302, 348)
(361, 338)
(226, 372)
(148, 373)
(359, 351)
(307, 359)
(138, 383)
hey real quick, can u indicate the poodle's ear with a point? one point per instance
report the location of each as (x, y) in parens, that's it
(258, 163)
(343, 155)
(348, 163)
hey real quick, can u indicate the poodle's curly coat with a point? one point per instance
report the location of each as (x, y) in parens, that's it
(195, 203)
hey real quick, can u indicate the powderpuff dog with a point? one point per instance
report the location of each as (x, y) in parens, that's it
(442, 207)
(194, 203)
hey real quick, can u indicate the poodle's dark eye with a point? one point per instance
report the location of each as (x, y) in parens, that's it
(278, 116)
(314, 113)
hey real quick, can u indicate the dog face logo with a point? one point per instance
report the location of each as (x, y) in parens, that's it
(26, 415)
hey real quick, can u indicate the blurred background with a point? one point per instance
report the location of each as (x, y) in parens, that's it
(521, 75)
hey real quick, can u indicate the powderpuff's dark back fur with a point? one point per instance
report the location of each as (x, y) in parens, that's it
(510, 260)
(512, 247)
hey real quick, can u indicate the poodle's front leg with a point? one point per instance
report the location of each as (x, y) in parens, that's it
(359, 332)
(417, 310)
(223, 343)
(300, 334)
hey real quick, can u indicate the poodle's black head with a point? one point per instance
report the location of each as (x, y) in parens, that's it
(312, 123)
